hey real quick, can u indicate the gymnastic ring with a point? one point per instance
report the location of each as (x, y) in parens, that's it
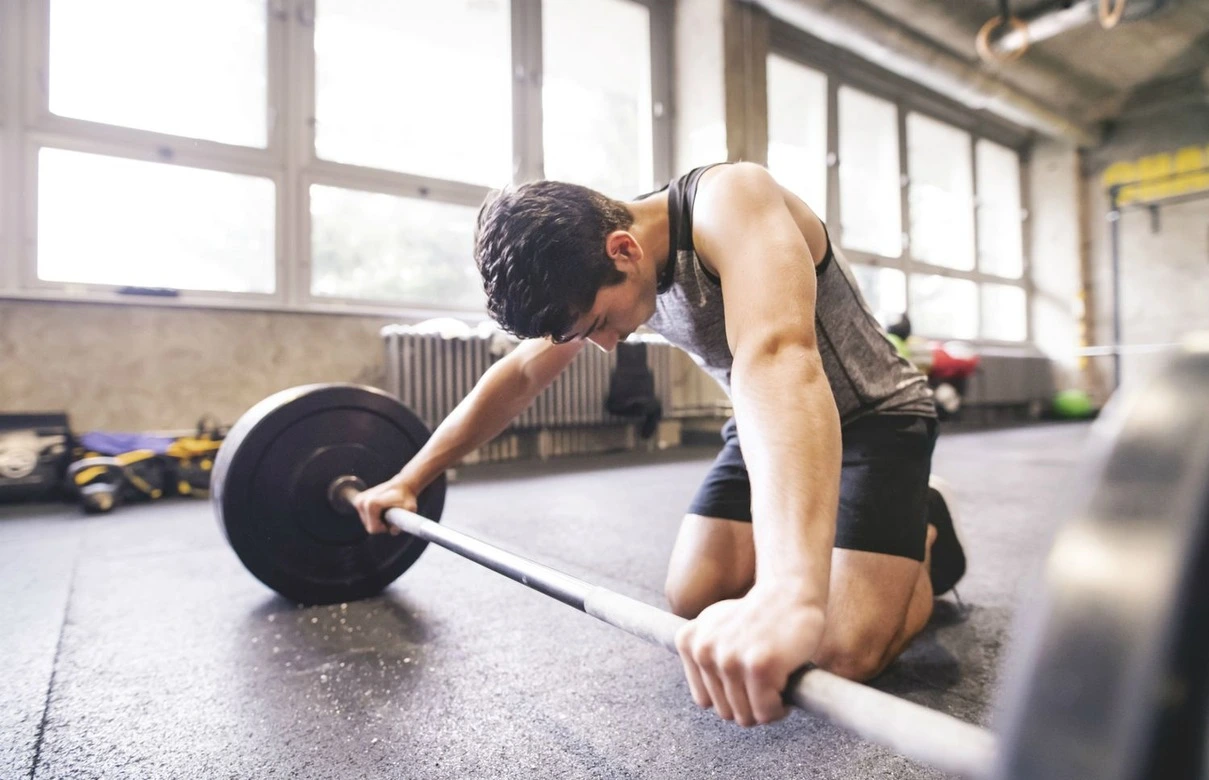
(1111, 12)
(982, 42)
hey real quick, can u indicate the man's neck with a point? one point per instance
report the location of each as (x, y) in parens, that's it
(651, 229)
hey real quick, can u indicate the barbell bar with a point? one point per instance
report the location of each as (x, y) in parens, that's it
(1103, 658)
(908, 728)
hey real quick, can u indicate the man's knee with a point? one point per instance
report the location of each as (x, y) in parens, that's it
(859, 654)
(691, 590)
(689, 595)
(713, 560)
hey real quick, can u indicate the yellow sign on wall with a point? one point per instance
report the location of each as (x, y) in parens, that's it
(1159, 176)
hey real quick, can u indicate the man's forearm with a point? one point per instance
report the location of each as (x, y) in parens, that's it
(481, 416)
(790, 431)
(501, 394)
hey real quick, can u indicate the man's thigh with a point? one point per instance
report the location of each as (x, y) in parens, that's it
(884, 486)
(867, 607)
(713, 559)
(880, 530)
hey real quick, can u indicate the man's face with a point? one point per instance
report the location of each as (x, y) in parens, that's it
(617, 312)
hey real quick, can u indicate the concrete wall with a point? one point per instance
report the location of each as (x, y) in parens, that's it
(1164, 262)
(1057, 307)
(139, 368)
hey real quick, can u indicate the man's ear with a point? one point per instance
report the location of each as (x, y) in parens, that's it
(623, 248)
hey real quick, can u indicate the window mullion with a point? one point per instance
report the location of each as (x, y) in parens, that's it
(32, 103)
(834, 214)
(12, 195)
(977, 205)
(1026, 246)
(904, 184)
(527, 164)
(297, 98)
(662, 73)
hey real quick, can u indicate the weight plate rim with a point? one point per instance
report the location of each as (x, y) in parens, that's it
(1038, 709)
(266, 414)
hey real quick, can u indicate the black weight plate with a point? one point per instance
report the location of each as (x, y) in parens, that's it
(270, 484)
(1109, 677)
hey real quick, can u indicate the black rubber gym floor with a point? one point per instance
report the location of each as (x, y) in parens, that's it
(136, 646)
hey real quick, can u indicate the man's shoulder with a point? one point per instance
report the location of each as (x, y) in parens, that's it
(725, 178)
(724, 191)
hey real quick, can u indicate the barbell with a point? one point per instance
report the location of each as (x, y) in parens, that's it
(1108, 678)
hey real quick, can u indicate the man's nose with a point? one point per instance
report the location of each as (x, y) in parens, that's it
(606, 340)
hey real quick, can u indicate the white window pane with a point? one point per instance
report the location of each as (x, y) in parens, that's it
(885, 289)
(107, 220)
(944, 308)
(384, 247)
(1004, 312)
(416, 86)
(870, 195)
(942, 193)
(596, 94)
(181, 68)
(1000, 234)
(797, 130)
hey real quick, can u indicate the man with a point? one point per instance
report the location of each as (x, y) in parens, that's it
(815, 542)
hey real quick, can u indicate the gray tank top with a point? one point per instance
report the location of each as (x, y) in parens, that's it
(866, 373)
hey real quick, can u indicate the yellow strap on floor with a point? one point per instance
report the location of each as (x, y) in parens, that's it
(88, 475)
(134, 456)
(190, 447)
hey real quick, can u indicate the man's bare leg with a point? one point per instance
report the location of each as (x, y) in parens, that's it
(878, 603)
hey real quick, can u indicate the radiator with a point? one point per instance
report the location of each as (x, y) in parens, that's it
(1010, 378)
(431, 373)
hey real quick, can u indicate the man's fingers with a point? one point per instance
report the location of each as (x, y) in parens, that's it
(717, 692)
(764, 687)
(733, 678)
(696, 686)
(370, 514)
(703, 655)
(766, 705)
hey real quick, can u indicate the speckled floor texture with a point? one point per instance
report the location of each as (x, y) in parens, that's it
(136, 646)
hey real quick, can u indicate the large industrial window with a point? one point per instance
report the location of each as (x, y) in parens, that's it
(597, 108)
(870, 213)
(941, 193)
(321, 155)
(109, 220)
(1000, 242)
(373, 245)
(165, 67)
(927, 207)
(416, 87)
(797, 130)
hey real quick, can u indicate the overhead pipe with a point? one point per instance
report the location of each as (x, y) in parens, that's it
(857, 28)
(1046, 26)
(1060, 20)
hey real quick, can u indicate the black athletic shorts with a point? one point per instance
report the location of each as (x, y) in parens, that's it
(883, 484)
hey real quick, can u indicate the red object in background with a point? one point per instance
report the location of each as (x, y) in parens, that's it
(948, 367)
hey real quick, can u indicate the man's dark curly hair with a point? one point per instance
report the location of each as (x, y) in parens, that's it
(540, 247)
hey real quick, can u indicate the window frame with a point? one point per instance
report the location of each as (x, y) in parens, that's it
(288, 158)
(843, 68)
(11, 117)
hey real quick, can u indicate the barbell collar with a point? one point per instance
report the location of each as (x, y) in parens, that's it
(342, 491)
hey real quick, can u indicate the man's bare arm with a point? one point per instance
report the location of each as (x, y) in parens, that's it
(501, 394)
(784, 408)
